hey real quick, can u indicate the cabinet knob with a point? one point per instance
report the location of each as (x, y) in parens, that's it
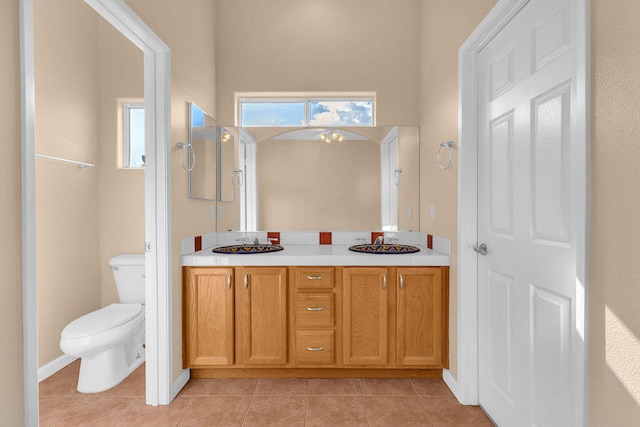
(315, 308)
(315, 348)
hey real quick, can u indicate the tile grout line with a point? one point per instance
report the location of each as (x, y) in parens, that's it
(364, 402)
(193, 401)
(422, 404)
(306, 404)
(244, 419)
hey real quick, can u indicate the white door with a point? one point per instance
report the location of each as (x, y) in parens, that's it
(527, 278)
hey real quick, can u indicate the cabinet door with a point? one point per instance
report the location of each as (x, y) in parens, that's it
(209, 327)
(422, 334)
(261, 315)
(365, 315)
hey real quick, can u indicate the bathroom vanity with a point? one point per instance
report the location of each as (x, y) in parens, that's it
(315, 312)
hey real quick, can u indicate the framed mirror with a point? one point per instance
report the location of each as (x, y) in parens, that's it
(348, 178)
(202, 155)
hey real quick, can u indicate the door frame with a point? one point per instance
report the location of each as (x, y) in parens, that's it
(157, 94)
(466, 386)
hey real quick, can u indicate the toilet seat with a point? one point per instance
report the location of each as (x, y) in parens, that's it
(102, 320)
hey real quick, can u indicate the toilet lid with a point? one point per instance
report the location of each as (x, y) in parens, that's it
(101, 320)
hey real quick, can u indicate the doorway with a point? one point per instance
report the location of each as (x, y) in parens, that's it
(157, 208)
(545, 197)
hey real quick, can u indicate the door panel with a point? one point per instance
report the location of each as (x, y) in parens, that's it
(501, 171)
(551, 347)
(526, 281)
(550, 165)
(500, 343)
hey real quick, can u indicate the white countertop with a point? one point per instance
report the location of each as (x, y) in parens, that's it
(327, 255)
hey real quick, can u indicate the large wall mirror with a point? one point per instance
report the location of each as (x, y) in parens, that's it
(292, 179)
(200, 157)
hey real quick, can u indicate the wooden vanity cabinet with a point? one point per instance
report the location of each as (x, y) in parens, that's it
(395, 316)
(387, 321)
(239, 312)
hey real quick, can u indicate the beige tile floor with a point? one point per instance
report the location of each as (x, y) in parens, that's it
(263, 402)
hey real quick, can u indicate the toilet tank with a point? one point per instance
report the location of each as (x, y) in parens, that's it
(128, 271)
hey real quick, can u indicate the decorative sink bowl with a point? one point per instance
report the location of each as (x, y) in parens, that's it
(384, 249)
(247, 249)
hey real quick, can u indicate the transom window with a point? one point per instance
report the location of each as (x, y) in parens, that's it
(311, 111)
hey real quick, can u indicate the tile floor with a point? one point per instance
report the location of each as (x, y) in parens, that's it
(263, 402)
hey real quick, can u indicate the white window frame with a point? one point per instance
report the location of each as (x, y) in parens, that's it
(305, 98)
(126, 135)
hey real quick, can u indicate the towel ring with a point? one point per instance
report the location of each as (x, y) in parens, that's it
(449, 145)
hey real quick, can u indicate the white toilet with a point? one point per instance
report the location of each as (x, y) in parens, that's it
(110, 341)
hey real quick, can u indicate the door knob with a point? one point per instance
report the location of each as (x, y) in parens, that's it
(482, 249)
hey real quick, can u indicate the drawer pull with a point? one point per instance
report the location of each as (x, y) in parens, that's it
(228, 281)
(384, 281)
(246, 281)
(401, 282)
(315, 348)
(315, 308)
(315, 277)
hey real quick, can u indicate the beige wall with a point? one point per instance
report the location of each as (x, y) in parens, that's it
(615, 213)
(445, 26)
(310, 185)
(11, 385)
(188, 28)
(66, 76)
(329, 45)
(121, 191)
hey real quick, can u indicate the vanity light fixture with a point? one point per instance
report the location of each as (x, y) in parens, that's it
(225, 136)
(331, 136)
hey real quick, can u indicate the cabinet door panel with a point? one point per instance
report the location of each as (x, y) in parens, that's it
(365, 316)
(210, 332)
(420, 310)
(262, 315)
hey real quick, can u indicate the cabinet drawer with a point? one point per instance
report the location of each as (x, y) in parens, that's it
(314, 278)
(314, 347)
(314, 310)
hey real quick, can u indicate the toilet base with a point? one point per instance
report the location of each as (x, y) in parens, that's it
(108, 369)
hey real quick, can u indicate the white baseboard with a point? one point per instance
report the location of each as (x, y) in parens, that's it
(54, 366)
(451, 382)
(179, 383)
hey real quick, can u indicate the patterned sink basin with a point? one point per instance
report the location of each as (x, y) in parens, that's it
(384, 249)
(247, 249)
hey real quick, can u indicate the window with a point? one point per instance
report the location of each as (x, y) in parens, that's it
(133, 135)
(312, 111)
